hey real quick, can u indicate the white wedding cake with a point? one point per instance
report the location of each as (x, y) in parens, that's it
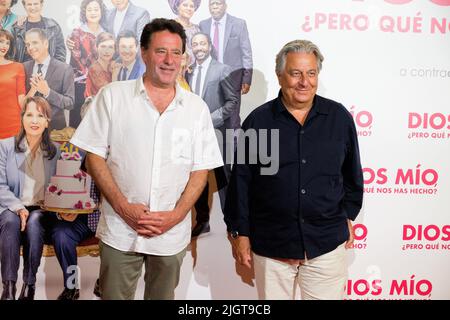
(70, 187)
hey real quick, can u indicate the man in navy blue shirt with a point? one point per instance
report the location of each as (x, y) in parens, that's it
(295, 224)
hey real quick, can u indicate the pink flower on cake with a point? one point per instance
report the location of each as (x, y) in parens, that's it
(79, 175)
(52, 188)
(79, 205)
(65, 155)
(88, 205)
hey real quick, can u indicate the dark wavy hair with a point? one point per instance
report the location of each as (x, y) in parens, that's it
(12, 50)
(47, 145)
(126, 34)
(83, 6)
(161, 24)
(175, 4)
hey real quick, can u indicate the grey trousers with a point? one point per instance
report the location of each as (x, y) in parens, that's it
(120, 272)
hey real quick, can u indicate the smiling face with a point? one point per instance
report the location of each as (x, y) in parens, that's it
(299, 78)
(4, 46)
(186, 9)
(5, 5)
(33, 8)
(34, 120)
(93, 12)
(163, 58)
(217, 8)
(36, 47)
(127, 50)
(106, 50)
(200, 48)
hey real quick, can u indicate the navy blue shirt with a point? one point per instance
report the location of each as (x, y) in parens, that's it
(303, 208)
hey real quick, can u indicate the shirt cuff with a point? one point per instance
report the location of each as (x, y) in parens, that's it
(101, 152)
(209, 166)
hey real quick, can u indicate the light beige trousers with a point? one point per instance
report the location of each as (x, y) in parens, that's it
(321, 278)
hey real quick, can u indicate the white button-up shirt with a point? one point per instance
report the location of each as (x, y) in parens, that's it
(150, 155)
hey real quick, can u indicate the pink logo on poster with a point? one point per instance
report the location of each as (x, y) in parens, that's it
(426, 237)
(398, 289)
(360, 233)
(417, 181)
(400, 23)
(363, 121)
(363, 287)
(432, 126)
(438, 2)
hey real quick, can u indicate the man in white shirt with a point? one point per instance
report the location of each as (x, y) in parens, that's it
(150, 145)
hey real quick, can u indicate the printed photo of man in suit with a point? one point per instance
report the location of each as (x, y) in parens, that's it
(231, 42)
(49, 77)
(130, 67)
(34, 19)
(126, 16)
(211, 80)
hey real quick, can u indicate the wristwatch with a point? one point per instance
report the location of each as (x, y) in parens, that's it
(234, 234)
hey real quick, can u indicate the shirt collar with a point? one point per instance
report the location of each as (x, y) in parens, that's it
(45, 63)
(177, 101)
(317, 107)
(6, 17)
(222, 21)
(85, 28)
(124, 11)
(206, 63)
(28, 150)
(130, 66)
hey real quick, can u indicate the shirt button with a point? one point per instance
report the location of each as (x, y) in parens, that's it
(303, 161)
(302, 132)
(302, 220)
(303, 191)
